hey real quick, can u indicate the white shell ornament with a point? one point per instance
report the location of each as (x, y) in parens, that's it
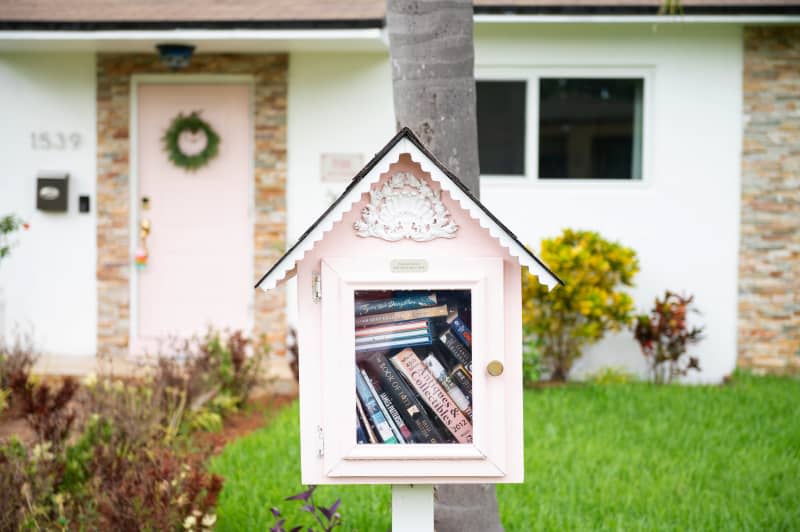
(405, 207)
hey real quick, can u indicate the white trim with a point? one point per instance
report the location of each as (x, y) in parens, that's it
(285, 268)
(531, 74)
(366, 34)
(637, 19)
(133, 179)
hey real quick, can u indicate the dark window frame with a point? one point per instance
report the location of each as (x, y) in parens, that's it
(532, 77)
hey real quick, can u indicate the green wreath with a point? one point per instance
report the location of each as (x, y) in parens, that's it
(193, 123)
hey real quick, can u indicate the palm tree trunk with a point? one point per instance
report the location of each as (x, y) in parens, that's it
(433, 77)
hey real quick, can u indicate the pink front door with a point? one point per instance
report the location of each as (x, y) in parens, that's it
(199, 269)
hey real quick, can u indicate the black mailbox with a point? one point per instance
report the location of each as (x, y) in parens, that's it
(52, 189)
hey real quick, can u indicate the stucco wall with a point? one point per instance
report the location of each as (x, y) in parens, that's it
(769, 284)
(48, 286)
(337, 104)
(682, 219)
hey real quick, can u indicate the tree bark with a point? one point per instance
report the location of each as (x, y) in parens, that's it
(433, 77)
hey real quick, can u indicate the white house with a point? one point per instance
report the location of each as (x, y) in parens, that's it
(676, 135)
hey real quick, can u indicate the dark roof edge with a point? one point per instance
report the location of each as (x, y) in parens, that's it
(132, 25)
(649, 10)
(353, 182)
(373, 23)
(464, 188)
(407, 133)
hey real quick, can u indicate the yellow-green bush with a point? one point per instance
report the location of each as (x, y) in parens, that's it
(590, 304)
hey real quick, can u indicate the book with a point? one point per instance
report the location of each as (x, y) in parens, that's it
(393, 329)
(384, 411)
(372, 410)
(458, 350)
(448, 384)
(361, 432)
(401, 315)
(431, 392)
(362, 417)
(406, 301)
(455, 370)
(394, 415)
(460, 329)
(403, 398)
(386, 337)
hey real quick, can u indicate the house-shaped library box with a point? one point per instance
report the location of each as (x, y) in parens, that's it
(409, 329)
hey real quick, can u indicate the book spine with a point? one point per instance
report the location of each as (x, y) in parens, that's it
(457, 349)
(372, 338)
(404, 302)
(449, 385)
(392, 328)
(365, 422)
(461, 330)
(405, 433)
(404, 342)
(382, 406)
(464, 380)
(401, 315)
(423, 381)
(455, 369)
(373, 410)
(361, 433)
(408, 406)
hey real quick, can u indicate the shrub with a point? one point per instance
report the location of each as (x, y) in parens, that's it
(16, 360)
(47, 409)
(664, 336)
(152, 489)
(590, 304)
(532, 364)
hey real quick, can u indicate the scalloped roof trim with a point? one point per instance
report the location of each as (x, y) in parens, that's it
(285, 268)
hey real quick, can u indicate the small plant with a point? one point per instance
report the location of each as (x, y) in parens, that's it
(664, 336)
(9, 225)
(47, 409)
(327, 518)
(569, 317)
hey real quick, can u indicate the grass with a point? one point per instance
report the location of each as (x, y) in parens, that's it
(614, 457)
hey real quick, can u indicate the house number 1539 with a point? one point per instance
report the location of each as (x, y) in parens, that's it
(55, 140)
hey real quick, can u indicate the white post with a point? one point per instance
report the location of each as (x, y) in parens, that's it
(412, 508)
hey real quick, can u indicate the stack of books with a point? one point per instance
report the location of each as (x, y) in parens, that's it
(413, 366)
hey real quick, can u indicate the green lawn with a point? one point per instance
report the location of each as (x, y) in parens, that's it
(614, 457)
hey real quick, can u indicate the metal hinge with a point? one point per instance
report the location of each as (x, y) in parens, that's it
(321, 442)
(316, 287)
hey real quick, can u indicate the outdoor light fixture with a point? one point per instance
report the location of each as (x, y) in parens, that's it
(176, 56)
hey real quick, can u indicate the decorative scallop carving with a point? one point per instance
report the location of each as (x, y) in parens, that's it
(405, 207)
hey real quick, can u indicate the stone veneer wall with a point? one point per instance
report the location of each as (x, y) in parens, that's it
(769, 259)
(114, 262)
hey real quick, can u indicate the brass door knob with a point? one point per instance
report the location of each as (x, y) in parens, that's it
(494, 368)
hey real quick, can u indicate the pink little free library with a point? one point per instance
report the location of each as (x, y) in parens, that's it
(409, 330)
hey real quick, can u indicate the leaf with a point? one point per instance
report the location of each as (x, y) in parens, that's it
(302, 496)
(329, 512)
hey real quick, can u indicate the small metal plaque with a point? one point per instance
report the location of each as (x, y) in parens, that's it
(408, 265)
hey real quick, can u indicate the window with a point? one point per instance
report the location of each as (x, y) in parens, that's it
(590, 128)
(577, 128)
(501, 127)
